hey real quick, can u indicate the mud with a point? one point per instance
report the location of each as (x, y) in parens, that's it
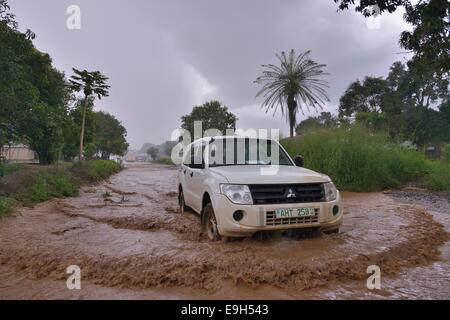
(130, 242)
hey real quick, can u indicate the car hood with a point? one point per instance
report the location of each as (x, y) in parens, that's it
(267, 175)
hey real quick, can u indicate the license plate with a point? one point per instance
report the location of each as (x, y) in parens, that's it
(294, 213)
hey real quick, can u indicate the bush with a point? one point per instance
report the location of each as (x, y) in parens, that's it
(41, 183)
(446, 153)
(438, 177)
(359, 160)
(164, 160)
(39, 191)
(8, 168)
(62, 186)
(102, 169)
(7, 206)
(50, 185)
(95, 170)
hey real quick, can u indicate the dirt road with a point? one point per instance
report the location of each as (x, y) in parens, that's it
(129, 240)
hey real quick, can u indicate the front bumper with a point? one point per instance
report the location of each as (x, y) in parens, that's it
(261, 217)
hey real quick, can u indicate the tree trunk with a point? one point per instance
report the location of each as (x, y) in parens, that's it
(292, 106)
(82, 129)
(44, 157)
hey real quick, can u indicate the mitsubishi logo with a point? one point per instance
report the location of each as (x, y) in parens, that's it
(291, 194)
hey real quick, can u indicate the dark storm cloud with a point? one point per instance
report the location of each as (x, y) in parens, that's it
(165, 56)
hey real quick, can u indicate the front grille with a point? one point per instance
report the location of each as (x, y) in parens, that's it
(288, 193)
(271, 219)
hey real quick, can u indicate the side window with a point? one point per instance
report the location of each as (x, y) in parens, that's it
(187, 160)
(193, 158)
(197, 156)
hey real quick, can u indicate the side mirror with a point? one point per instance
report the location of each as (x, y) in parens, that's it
(298, 160)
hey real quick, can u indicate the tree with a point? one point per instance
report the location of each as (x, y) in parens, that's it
(212, 115)
(324, 121)
(153, 152)
(166, 148)
(407, 104)
(363, 97)
(109, 136)
(72, 129)
(431, 29)
(403, 88)
(33, 94)
(16, 91)
(34, 100)
(295, 84)
(43, 125)
(92, 84)
(6, 17)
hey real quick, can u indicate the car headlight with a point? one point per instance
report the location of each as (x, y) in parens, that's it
(330, 191)
(238, 194)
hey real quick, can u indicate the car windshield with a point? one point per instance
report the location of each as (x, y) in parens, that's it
(245, 151)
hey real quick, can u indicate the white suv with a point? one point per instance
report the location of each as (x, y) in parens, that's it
(241, 186)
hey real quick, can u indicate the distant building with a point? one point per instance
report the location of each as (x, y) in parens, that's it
(18, 153)
(131, 156)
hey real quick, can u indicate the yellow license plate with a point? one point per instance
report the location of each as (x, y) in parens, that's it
(294, 213)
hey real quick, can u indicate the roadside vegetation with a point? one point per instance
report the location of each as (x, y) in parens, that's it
(358, 159)
(52, 115)
(8, 168)
(164, 160)
(34, 184)
(40, 108)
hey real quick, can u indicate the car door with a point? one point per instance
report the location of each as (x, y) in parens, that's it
(183, 174)
(197, 176)
(194, 178)
(192, 173)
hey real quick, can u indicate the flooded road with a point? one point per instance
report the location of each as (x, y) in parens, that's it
(130, 242)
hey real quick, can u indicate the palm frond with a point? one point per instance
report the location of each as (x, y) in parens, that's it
(297, 77)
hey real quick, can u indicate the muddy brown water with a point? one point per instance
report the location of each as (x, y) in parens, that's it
(130, 242)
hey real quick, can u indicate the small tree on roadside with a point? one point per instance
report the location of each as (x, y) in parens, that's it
(92, 84)
(212, 115)
(109, 136)
(153, 152)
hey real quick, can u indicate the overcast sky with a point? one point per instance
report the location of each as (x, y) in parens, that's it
(165, 56)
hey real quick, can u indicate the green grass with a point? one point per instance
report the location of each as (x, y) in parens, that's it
(37, 184)
(102, 169)
(50, 185)
(8, 168)
(7, 206)
(164, 160)
(438, 177)
(446, 153)
(358, 160)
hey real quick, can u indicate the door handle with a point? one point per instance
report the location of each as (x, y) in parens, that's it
(192, 174)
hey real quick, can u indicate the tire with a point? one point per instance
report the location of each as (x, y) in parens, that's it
(210, 223)
(334, 231)
(181, 203)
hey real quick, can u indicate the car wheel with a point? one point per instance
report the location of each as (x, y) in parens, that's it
(182, 204)
(334, 231)
(210, 223)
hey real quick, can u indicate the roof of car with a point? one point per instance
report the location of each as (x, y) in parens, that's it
(207, 139)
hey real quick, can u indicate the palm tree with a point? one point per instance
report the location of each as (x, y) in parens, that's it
(92, 84)
(293, 85)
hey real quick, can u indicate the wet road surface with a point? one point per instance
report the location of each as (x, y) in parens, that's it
(130, 242)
